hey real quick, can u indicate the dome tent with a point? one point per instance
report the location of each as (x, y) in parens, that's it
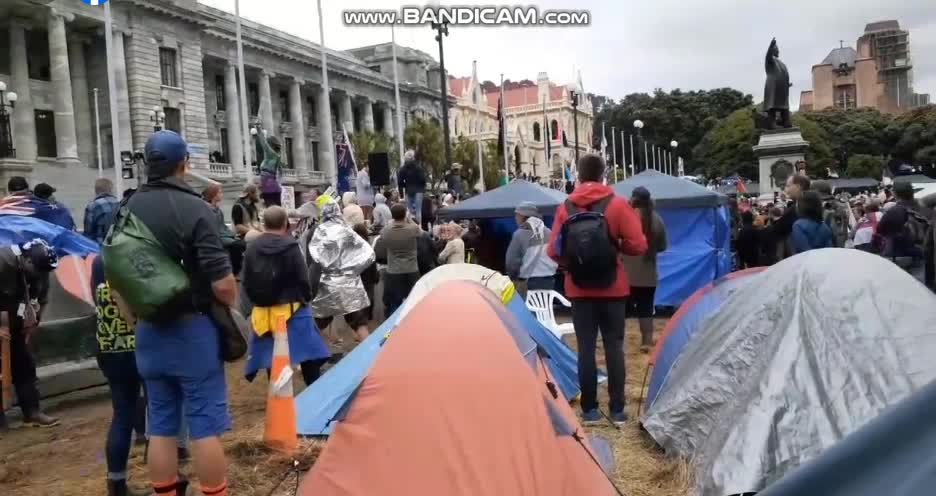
(698, 229)
(804, 354)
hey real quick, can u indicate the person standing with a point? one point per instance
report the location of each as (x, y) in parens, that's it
(234, 245)
(809, 230)
(116, 346)
(270, 167)
(338, 258)
(178, 354)
(748, 243)
(642, 269)
(834, 212)
(381, 217)
(411, 180)
(527, 262)
(276, 280)
(596, 229)
(245, 215)
(397, 248)
(454, 250)
(353, 213)
(99, 214)
(782, 229)
(24, 291)
(371, 276)
(365, 192)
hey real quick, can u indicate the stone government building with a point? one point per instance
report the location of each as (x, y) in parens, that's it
(179, 55)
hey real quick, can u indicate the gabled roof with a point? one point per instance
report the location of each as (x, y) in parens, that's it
(519, 97)
(839, 56)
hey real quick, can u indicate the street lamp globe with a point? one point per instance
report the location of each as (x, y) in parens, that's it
(161, 114)
(673, 144)
(152, 114)
(2, 86)
(156, 109)
(12, 97)
(638, 124)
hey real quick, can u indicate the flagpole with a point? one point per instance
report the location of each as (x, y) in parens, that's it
(97, 128)
(632, 165)
(396, 96)
(326, 139)
(245, 115)
(503, 117)
(546, 136)
(112, 96)
(614, 153)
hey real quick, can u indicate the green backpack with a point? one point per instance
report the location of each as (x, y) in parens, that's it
(138, 269)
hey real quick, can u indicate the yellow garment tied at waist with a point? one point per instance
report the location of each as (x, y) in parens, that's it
(264, 319)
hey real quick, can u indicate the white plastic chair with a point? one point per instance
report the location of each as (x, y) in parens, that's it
(540, 302)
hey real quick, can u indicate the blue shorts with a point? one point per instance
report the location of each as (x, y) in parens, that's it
(180, 363)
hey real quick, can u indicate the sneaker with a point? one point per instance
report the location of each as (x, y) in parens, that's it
(40, 419)
(619, 418)
(591, 417)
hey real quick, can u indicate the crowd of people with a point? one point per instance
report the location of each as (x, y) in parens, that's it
(302, 268)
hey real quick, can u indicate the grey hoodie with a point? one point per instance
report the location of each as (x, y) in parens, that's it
(526, 255)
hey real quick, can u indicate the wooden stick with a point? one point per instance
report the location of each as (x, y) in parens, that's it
(6, 376)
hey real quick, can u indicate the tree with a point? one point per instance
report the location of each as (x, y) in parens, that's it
(367, 142)
(425, 138)
(728, 147)
(465, 152)
(862, 165)
(819, 156)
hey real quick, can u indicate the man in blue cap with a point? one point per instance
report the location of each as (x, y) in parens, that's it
(178, 356)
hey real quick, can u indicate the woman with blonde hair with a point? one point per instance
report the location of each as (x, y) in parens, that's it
(454, 251)
(353, 213)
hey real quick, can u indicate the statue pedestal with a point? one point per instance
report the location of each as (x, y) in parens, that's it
(778, 151)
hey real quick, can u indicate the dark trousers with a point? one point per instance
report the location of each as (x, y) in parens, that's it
(236, 253)
(607, 317)
(22, 367)
(396, 288)
(125, 386)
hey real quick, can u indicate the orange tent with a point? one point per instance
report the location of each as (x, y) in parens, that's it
(458, 403)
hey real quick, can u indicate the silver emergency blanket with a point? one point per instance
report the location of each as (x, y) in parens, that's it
(805, 354)
(343, 256)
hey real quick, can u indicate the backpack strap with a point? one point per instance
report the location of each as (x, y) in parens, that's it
(601, 205)
(571, 208)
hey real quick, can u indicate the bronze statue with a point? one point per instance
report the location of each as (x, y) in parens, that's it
(776, 89)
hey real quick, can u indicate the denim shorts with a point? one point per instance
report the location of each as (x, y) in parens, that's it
(180, 363)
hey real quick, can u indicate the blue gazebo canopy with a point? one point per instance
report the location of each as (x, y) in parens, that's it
(501, 202)
(670, 192)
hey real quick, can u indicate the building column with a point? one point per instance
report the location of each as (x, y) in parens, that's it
(235, 141)
(24, 117)
(326, 158)
(81, 96)
(388, 120)
(298, 126)
(266, 101)
(368, 116)
(345, 114)
(123, 92)
(62, 99)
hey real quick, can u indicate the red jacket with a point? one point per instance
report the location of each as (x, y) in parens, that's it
(624, 224)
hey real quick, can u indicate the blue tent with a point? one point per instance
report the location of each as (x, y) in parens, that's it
(321, 403)
(501, 202)
(699, 230)
(16, 229)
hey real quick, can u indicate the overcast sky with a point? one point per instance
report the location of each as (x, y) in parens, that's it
(632, 45)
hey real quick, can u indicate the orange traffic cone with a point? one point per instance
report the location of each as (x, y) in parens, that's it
(280, 432)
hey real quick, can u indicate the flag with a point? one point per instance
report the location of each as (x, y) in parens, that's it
(31, 206)
(547, 135)
(501, 138)
(16, 205)
(741, 187)
(345, 164)
(604, 142)
(565, 141)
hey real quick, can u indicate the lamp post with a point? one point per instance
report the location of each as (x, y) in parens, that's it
(673, 144)
(638, 125)
(441, 29)
(574, 96)
(7, 101)
(157, 117)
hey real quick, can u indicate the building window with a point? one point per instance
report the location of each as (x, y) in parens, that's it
(253, 97)
(173, 119)
(315, 155)
(536, 131)
(845, 97)
(355, 120)
(45, 133)
(288, 144)
(379, 117)
(224, 146)
(284, 106)
(334, 116)
(37, 55)
(554, 130)
(310, 111)
(167, 65)
(219, 93)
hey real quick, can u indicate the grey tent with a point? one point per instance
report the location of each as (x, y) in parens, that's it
(501, 202)
(914, 179)
(808, 352)
(854, 185)
(892, 455)
(669, 191)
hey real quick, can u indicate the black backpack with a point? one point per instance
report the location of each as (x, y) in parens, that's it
(588, 253)
(262, 277)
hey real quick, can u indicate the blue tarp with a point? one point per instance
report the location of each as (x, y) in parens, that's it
(501, 202)
(699, 251)
(16, 229)
(686, 322)
(323, 401)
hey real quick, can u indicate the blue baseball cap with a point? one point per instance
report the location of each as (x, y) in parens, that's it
(164, 151)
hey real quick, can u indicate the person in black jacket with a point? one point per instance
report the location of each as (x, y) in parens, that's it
(411, 181)
(748, 242)
(782, 228)
(277, 282)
